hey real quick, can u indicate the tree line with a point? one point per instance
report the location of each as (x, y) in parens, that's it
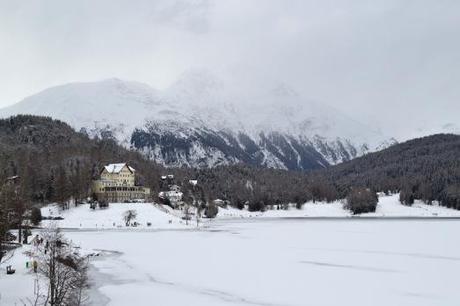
(54, 163)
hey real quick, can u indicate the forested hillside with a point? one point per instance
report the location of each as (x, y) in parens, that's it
(55, 163)
(426, 168)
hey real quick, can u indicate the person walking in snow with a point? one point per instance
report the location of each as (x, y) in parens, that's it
(35, 265)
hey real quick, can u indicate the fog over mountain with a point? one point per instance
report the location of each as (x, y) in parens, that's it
(203, 120)
(390, 64)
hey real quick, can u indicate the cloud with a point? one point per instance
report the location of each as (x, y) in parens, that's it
(186, 15)
(392, 63)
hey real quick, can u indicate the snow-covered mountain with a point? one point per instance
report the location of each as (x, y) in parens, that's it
(202, 121)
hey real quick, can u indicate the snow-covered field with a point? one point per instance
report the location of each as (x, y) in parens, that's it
(16, 288)
(163, 217)
(271, 262)
(388, 206)
(244, 258)
(82, 217)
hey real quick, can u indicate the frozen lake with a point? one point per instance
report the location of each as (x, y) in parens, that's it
(281, 262)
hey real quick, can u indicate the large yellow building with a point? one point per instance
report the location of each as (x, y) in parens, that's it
(117, 184)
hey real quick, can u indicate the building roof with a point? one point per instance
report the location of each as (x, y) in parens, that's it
(116, 168)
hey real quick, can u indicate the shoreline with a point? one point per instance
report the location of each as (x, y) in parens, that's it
(99, 279)
(250, 219)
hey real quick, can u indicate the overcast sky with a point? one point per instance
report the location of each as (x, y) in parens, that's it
(395, 64)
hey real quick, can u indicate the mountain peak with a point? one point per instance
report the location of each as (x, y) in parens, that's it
(196, 84)
(217, 122)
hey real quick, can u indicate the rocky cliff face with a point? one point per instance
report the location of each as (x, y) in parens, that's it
(209, 148)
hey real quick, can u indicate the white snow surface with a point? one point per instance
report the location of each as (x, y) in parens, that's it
(243, 258)
(163, 217)
(286, 263)
(19, 286)
(270, 262)
(83, 217)
(388, 206)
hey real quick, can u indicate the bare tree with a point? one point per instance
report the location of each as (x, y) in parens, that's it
(63, 268)
(4, 228)
(6, 253)
(80, 283)
(128, 216)
(187, 213)
(6, 217)
(198, 215)
(361, 200)
(12, 205)
(39, 298)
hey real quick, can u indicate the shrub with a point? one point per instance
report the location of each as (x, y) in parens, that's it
(256, 206)
(361, 200)
(103, 204)
(35, 216)
(406, 197)
(299, 204)
(239, 204)
(211, 210)
(450, 196)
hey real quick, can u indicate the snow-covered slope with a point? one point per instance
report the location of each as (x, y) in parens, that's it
(447, 128)
(388, 206)
(111, 218)
(112, 104)
(202, 120)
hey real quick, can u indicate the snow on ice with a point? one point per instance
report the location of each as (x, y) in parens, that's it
(244, 258)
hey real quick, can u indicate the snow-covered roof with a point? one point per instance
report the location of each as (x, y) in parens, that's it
(116, 168)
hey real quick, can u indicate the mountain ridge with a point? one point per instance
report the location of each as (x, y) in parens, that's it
(203, 121)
